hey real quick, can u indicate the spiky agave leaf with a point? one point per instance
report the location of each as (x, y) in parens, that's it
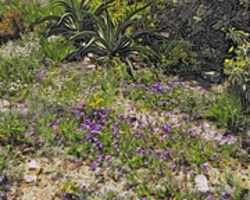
(77, 17)
(113, 39)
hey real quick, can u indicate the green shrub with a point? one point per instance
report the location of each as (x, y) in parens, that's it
(238, 70)
(227, 111)
(56, 48)
(240, 61)
(240, 85)
(177, 56)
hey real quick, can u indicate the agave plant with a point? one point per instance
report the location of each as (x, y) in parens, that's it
(113, 39)
(77, 16)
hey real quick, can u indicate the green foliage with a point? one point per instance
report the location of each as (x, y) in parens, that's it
(2, 7)
(16, 76)
(2, 162)
(177, 56)
(194, 104)
(240, 85)
(76, 17)
(56, 48)
(146, 76)
(68, 129)
(238, 70)
(95, 31)
(45, 130)
(203, 24)
(240, 62)
(227, 111)
(197, 151)
(112, 39)
(109, 81)
(31, 10)
(12, 128)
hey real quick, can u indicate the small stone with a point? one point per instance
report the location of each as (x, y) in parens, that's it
(4, 103)
(30, 178)
(91, 55)
(212, 76)
(91, 66)
(33, 165)
(3, 196)
(87, 60)
(201, 183)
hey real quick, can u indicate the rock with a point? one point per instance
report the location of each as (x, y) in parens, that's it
(91, 55)
(4, 103)
(201, 183)
(212, 76)
(86, 60)
(33, 165)
(91, 66)
(30, 178)
(3, 196)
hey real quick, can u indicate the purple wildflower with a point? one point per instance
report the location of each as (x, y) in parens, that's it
(192, 132)
(93, 165)
(108, 158)
(163, 154)
(210, 197)
(225, 196)
(141, 151)
(167, 128)
(91, 126)
(228, 138)
(173, 166)
(170, 84)
(205, 167)
(158, 87)
(99, 145)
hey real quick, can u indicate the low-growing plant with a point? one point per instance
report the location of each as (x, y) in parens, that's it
(68, 130)
(194, 104)
(56, 48)
(238, 70)
(45, 129)
(2, 163)
(16, 75)
(12, 128)
(227, 111)
(146, 76)
(240, 85)
(177, 56)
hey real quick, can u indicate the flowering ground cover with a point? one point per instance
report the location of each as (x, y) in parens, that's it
(82, 130)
